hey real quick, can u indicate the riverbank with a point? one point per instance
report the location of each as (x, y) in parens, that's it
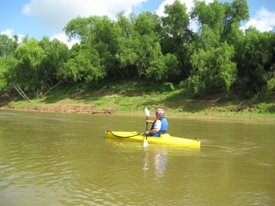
(86, 109)
(132, 97)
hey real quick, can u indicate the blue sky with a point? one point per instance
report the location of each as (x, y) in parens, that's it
(38, 18)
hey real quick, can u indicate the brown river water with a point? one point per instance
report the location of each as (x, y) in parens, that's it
(65, 159)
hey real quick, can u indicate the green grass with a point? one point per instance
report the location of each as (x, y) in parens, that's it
(133, 97)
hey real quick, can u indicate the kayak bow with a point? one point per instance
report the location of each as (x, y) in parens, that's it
(164, 139)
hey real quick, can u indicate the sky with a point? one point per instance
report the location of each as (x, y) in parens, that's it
(38, 18)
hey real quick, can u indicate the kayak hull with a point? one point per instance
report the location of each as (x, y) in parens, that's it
(164, 139)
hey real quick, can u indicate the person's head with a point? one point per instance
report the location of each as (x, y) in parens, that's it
(159, 113)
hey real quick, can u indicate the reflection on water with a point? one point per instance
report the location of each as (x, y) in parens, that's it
(160, 164)
(61, 159)
(158, 159)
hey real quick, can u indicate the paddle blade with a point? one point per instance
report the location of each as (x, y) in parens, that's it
(147, 112)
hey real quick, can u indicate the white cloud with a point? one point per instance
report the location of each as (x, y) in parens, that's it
(55, 14)
(10, 33)
(263, 21)
(188, 3)
(63, 38)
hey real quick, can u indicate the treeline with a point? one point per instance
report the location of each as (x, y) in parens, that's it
(212, 56)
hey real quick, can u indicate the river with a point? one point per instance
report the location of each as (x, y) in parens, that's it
(65, 159)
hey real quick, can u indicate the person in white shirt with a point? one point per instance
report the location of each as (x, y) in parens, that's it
(159, 125)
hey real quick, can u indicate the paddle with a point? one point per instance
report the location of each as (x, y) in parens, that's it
(147, 112)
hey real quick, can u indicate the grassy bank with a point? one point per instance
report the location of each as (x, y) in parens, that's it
(133, 97)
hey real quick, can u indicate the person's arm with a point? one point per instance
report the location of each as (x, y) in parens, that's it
(152, 131)
(156, 128)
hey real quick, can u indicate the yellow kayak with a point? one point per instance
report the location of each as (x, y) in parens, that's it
(164, 139)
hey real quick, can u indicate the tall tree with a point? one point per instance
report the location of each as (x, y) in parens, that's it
(56, 55)
(7, 60)
(212, 14)
(255, 60)
(213, 70)
(177, 36)
(99, 35)
(30, 56)
(84, 65)
(139, 54)
(236, 13)
(7, 45)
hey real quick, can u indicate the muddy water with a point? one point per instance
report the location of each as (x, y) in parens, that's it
(64, 159)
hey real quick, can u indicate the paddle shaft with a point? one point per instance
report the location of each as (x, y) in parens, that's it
(146, 126)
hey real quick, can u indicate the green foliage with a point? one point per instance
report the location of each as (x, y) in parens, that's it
(213, 71)
(7, 60)
(30, 56)
(268, 92)
(4, 67)
(36, 63)
(100, 36)
(210, 63)
(125, 26)
(168, 86)
(139, 52)
(212, 14)
(7, 45)
(176, 21)
(84, 65)
(57, 54)
(147, 23)
(177, 37)
(255, 60)
(208, 40)
(217, 57)
(236, 12)
(150, 62)
(271, 85)
(171, 63)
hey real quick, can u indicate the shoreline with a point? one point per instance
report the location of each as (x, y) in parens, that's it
(90, 110)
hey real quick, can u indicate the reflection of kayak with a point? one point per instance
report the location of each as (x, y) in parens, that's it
(164, 139)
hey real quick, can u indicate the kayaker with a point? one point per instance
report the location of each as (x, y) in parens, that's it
(159, 125)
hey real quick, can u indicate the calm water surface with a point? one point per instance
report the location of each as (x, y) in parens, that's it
(64, 159)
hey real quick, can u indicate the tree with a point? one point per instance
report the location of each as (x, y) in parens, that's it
(7, 60)
(176, 37)
(84, 65)
(147, 23)
(125, 26)
(212, 14)
(223, 18)
(99, 35)
(7, 45)
(37, 65)
(219, 34)
(255, 59)
(6, 66)
(56, 55)
(213, 70)
(236, 13)
(30, 56)
(139, 51)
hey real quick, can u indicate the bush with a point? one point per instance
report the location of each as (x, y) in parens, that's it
(168, 86)
(271, 85)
